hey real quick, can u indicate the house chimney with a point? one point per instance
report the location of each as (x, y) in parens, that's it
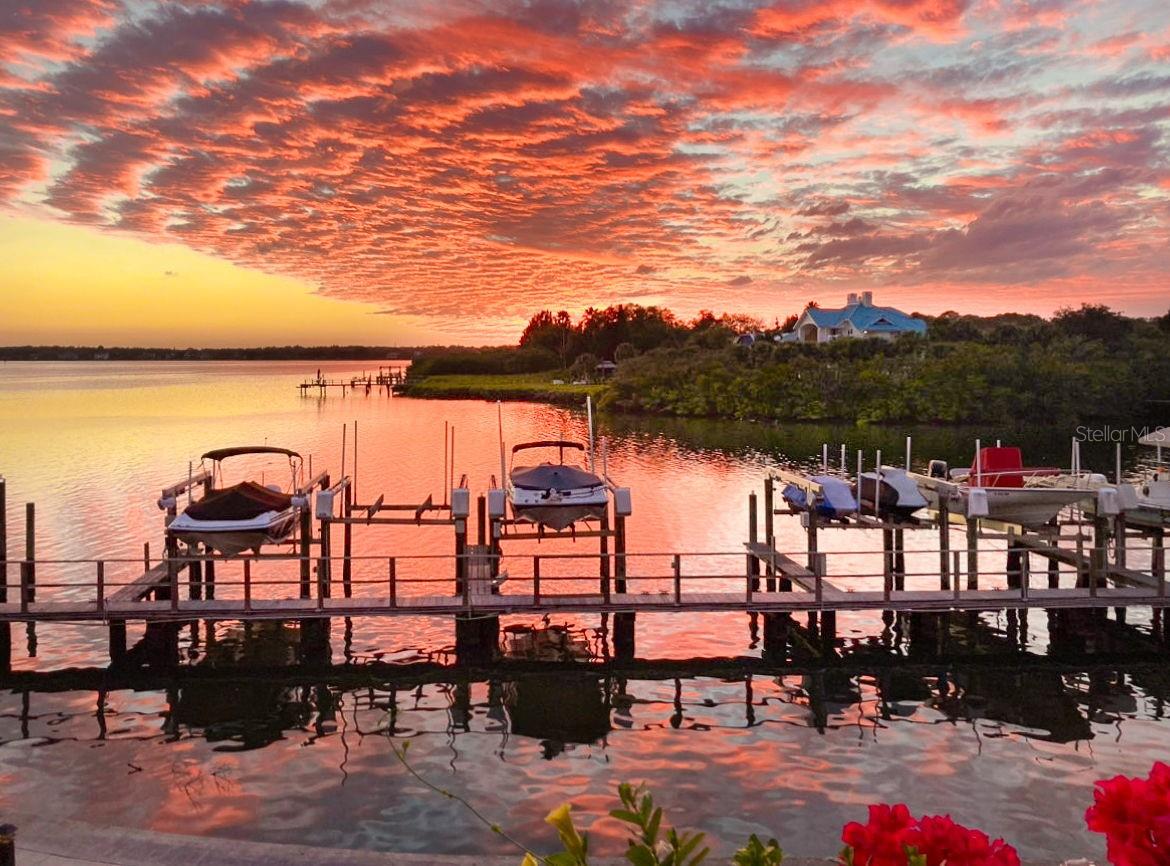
(852, 299)
(867, 298)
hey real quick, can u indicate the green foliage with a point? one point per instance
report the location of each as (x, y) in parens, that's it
(499, 360)
(648, 846)
(601, 332)
(756, 853)
(1093, 322)
(1090, 364)
(1060, 379)
(519, 386)
(584, 368)
(624, 352)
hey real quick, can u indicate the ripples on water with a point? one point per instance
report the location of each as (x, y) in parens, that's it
(1006, 736)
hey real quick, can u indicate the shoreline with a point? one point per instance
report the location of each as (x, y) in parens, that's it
(519, 387)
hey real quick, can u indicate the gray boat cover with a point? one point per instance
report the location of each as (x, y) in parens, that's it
(552, 476)
(835, 494)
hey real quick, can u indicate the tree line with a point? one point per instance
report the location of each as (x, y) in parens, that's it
(1085, 363)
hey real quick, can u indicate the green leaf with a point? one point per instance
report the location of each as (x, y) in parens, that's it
(640, 855)
(653, 825)
(626, 816)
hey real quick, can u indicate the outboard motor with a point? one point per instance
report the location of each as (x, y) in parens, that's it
(937, 469)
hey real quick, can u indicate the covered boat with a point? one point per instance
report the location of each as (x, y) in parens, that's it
(243, 516)
(555, 495)
(825, 495)
(998, 486)
(889, 492)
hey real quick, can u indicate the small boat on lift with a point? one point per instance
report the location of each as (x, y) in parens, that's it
(999, 487)
(1146, 502)
(889, 492)
(243, 516)
(825, 495)
(555, 495)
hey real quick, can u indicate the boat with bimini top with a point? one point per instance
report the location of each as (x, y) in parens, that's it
(555, 495)
(242, 516)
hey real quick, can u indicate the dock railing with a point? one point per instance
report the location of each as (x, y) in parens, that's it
(119, 587)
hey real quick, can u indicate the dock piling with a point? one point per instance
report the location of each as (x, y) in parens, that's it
(944, 543)
(624, 627)
(619, 552)
(5, 628)
(753, 564)
(3, 540)
(28, 569)
(603, 545)
(770, 529)
(7, 845)
(972, 553)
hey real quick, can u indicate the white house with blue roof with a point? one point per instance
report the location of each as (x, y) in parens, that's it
(858, 318)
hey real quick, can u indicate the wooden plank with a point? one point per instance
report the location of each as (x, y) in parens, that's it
(793, 570)
(142, 585)
(1071, 557)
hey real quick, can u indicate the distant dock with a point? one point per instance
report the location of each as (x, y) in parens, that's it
(386, 379)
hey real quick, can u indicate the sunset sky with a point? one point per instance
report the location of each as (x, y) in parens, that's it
(239, 173)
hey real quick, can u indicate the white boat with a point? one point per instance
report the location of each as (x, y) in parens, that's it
(555, 495)
(996, 487)
(243, 516)
(1147, 501)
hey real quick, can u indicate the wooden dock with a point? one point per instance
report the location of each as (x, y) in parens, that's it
(487, 603)
(385, 380)
(481, 582)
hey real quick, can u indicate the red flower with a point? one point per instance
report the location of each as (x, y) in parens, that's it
(881, 841)
(1134, 816)
(940, 840)
(892, 835)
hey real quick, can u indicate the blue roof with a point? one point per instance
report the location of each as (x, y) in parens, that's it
(866, 317)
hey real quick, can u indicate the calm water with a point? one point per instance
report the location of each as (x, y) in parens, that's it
(1009, 738)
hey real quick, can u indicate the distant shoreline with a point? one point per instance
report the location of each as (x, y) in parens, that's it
(522, 387)
(264, 353)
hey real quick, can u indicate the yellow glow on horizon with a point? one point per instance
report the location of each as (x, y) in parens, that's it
(64, 284)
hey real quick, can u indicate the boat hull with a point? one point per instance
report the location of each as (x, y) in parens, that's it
(231, 538)
(558, 516)
(1025, 506)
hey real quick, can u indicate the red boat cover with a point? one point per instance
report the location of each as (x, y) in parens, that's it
(239, 502)
(1004, 467)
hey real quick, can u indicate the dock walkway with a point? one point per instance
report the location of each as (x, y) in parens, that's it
(515, 603)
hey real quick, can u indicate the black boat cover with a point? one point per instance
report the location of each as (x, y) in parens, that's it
(239, 502)
(224, 453)
(552, 476)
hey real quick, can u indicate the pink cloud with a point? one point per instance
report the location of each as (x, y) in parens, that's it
(467, 164)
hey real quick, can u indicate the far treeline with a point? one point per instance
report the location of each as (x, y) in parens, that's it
(1090, 363)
